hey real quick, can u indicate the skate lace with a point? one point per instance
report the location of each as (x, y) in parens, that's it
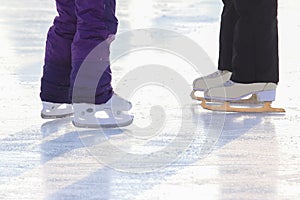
(228, 83)
(215, 74)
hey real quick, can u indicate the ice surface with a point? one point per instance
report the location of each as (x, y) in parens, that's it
(179, 152)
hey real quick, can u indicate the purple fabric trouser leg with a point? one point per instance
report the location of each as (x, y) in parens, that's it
(79, 28)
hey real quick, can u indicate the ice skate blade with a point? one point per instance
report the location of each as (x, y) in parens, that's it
(97, 126)
(44, 116)
(226, 107)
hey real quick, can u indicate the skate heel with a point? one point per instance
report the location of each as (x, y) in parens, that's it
(267, 95)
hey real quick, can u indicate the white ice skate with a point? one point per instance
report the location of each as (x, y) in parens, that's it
(212, 80)
(109, 115)
(263, 94)
(56, 110)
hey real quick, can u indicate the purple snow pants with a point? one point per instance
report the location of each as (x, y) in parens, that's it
(80, 26)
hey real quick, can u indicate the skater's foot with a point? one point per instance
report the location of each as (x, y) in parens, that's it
(212, 80)
(56, 110)
(231, 91)
(108, 115)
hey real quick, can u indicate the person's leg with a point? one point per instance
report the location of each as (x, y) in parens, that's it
(255, 57)
(55, 83)
(228, 22)
(91, 75)
(96, 21)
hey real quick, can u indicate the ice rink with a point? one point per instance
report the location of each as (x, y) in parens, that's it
(174, 149)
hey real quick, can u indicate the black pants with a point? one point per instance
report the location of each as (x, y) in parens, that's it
(249, 40)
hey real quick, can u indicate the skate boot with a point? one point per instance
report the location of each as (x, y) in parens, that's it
(56, 110)
(108, 115)
(235, 93)
(212, 80)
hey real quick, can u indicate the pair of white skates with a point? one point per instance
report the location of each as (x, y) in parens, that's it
(220, 94)
(109, 115)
